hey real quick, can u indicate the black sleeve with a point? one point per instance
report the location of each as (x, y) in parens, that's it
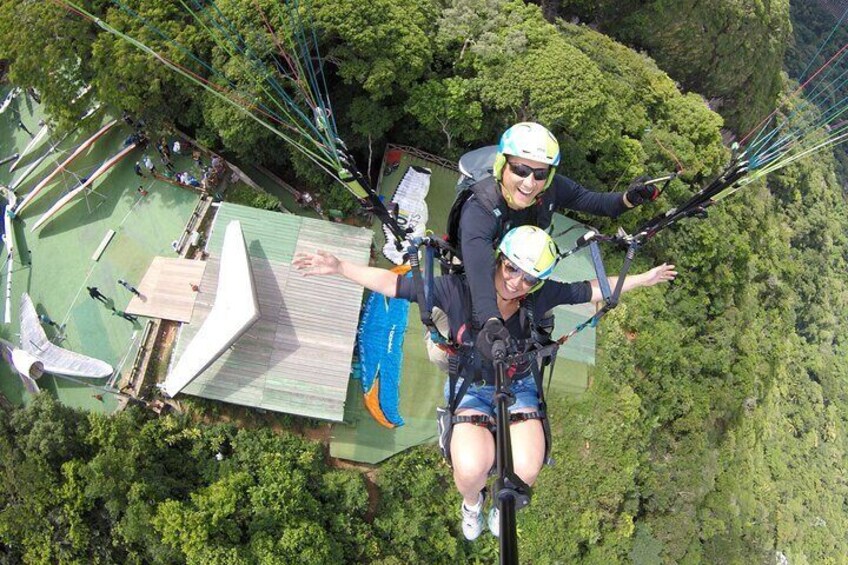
(478, 229)
(447, 292)
(406, 289)
(574, 196)
(554, 293)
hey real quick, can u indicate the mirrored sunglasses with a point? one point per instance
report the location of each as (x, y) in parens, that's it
(512, 271)
(523, 171)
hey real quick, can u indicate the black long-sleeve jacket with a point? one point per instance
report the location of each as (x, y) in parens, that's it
(482, 225)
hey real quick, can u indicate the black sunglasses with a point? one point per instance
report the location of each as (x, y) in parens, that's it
(513, 271)
(523, 171)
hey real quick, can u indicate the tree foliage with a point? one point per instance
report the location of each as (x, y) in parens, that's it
(730, 51)
(715, 430)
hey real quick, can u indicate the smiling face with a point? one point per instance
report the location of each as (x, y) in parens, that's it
(510, 283)
(521, 192)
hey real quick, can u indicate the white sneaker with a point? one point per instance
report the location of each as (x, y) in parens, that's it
(494, 520)
(472, 520)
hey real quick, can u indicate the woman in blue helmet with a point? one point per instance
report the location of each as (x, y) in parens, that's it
(525, 259)
(524, 190)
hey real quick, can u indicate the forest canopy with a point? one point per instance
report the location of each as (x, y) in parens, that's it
(715, 429)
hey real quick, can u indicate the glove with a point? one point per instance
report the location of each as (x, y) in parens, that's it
(492, 332)
(638, 192)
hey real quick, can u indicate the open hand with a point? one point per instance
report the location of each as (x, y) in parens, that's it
(318, 263)
(662, 273)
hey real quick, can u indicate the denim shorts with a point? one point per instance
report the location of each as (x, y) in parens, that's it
(481, 397)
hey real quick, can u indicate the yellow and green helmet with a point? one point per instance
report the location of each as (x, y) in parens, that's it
(531, 141)
(532, 250)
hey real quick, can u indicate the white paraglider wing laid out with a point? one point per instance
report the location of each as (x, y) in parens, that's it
(411, 209)
(55, 359)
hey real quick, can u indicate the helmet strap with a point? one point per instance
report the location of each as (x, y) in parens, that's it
(498, 166)
(550, 179)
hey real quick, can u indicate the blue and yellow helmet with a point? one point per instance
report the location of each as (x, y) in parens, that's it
(531, 141)
(532, 250)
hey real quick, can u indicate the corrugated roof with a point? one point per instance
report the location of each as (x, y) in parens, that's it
(273, 236)
(296, 357)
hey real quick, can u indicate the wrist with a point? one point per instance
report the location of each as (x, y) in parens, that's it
(342, 268)
(626, 201)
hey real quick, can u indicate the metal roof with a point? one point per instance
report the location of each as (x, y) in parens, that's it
(296, 358)
(236, 308)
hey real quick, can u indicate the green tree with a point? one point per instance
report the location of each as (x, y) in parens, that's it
(448, 106)
(730, 51)
(48, 49)
(384, 45)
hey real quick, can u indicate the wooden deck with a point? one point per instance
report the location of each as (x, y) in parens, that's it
(166, 290)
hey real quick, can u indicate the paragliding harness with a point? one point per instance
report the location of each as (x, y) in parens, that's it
(487, 193)
(465, 360)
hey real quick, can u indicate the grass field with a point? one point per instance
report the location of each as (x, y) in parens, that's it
(54, 264)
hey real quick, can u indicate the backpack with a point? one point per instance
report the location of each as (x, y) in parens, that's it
(475, 166)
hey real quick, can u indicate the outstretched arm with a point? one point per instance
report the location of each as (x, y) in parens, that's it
(571, 195)
(323, 263)
(657, 275)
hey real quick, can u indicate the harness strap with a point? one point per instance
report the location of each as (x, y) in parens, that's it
(477, 419)
(455, 363)
(423, 289)
(600, 271)
(486, 422)
(524, 416)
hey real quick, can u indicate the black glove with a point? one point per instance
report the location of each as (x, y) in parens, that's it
(491, 332)
(638, 192)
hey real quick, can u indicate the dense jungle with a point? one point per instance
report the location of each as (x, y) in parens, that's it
(715, 427)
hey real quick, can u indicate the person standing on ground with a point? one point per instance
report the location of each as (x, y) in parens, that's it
(148, 162)
(96, 294)
(45, 319)
(125, 315)
(129, 287)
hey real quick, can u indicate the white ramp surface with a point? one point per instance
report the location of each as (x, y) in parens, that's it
(236, 309)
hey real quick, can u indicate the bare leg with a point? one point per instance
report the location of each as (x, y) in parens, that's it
(473, 454)
(528, 448)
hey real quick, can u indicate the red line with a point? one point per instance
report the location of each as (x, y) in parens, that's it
(680, 168)
(283, 53)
